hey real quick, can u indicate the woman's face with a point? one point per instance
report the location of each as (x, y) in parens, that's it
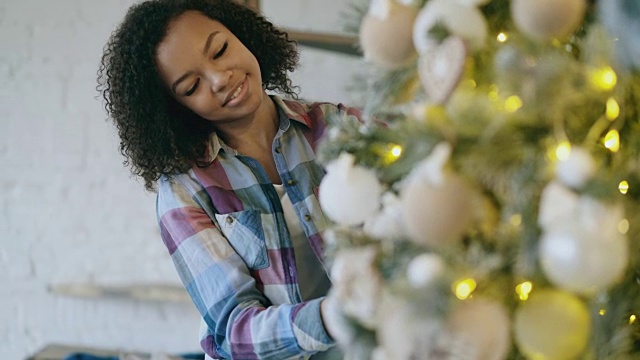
(207, 69)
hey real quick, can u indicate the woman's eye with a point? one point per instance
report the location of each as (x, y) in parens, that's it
(193, 88)
(221, 51)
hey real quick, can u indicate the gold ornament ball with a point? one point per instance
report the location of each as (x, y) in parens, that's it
(547, 19)
(388, 42)
(552, 325)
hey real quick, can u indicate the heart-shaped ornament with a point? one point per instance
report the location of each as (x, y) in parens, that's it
(441, 68)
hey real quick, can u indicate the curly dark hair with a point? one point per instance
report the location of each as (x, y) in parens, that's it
(159, 136)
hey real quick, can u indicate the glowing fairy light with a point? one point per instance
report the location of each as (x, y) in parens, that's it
(515, 220)
(623, 187)
(563, 150)
(623, 226)
(502, 37)
(396, 151)
(602, 312)
(612, 141)
(524, 289)
(632, 319)
(392, 154)
(464, 288)
(613, 109)
(493, 92)
(512, 104)
(471, 83)
(604, 78)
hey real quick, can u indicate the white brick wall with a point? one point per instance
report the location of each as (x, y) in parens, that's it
(69, 211)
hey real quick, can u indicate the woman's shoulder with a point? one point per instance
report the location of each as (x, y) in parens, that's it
(313, 111)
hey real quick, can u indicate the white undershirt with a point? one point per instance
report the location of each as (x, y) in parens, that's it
(312, 279)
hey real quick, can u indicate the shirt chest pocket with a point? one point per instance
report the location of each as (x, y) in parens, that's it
(244, 231)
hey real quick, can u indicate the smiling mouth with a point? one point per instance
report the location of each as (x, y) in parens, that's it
(236, 93)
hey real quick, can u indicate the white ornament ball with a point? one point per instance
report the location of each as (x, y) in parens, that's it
(461, 20)
(387, 224)
(403, 332)
(357, 285)
(387, 41)
(336, 322)
(473, 2)
(424, 269)
(437, 214)
(552, 325)
(483, 326)
(577, 169)
(583, 262)
(349, 193)
(547, 19)
(558, 205)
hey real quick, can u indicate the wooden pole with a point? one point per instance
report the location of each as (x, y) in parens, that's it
(252, 4)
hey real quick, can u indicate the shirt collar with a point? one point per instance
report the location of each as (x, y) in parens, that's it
(287, 110)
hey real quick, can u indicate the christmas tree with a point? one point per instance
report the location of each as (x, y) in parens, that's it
(488, 206)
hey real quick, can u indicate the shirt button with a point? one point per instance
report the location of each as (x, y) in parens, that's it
(307, 217)
(291, 182)
(278, 150)
(229, 220)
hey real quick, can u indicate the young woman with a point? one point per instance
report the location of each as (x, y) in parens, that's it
(234, 169)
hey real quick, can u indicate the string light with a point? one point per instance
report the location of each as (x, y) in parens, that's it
(632, 319)
(512, 104)
(493, 92)
(392, 154)
(502, 37)
(613, 109)
(515, 220)
(623, 226)
(602, 312)
(524, 289)
(563, 150)
(464, 288)
(612, 140)
(604, 78)
(472, 83)
(623, 187)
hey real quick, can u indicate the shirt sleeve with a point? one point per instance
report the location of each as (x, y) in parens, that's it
(239, 321)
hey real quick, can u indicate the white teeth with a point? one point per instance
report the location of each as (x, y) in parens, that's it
(236, 93)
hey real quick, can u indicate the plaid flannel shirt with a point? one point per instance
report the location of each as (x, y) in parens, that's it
(225, 230)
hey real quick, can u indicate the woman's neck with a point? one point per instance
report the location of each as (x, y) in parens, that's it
(255, 133)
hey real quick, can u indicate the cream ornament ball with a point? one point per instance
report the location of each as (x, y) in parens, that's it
(547, 19)
(552, 325)
(484, 327)
(464, 21)
(436, 204)
(385, 34)
(349, 194)
(437, 214)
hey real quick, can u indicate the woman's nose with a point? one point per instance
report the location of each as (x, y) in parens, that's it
(219, 79)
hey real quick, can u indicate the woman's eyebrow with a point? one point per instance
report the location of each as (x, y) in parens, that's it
(205, 51)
